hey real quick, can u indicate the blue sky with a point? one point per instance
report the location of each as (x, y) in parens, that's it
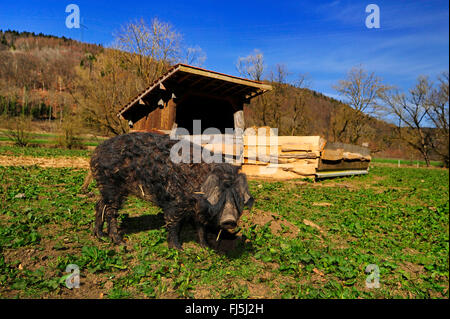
(321, 38)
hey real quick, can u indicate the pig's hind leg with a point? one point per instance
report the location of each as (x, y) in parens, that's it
(100, 208)
(173, 225)
(109, 213)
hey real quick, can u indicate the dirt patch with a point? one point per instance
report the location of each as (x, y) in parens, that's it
(413, 269)
(314, 225)
(322, 204)
(278, 226)
(342, 184)
(257, 290)
(76, 162)
(202, 292)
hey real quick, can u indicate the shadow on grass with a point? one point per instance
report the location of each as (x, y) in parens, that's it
(137, 224)
(233, 246)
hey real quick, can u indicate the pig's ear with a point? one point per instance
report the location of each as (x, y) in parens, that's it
(203, 208)
(242, 188)
(211, 189)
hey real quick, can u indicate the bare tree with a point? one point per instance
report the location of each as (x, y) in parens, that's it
(361, 91)
(438, 112)
(277, 99)
(412, 110)
(102, 90)
(296, 114)
(194, 56)
(153, 47)
(284, 106)
(141, 53)
(251, 66)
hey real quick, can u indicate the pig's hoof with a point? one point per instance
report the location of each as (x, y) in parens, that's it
(99, 234)
(176, 246)
(204, 244)
(117, 239)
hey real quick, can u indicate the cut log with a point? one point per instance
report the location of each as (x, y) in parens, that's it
(311, 155)
(254, 151)
(298, 168)
(254, 162)
(231, 149)
(306, 143)
(342, 165)
(312, 162)
(348, 148)
(332, 155)
(291, 147)
(271, 173)
(356, 156)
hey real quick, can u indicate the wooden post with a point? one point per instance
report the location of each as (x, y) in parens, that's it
(239, 120)
(239, 126)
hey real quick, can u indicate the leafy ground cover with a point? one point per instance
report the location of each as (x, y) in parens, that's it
(404, 162)
(47, 138)
(9, 150)
(301, 240)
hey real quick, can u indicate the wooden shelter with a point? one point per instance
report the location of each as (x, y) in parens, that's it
(186, 93)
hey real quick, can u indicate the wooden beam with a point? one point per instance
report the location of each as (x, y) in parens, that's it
(180, 81)
(224, 77)
(211, 84)
(241, 89)
(253, 95)
(145, 92)
(230, 89)
(197, 82)
(219, 87)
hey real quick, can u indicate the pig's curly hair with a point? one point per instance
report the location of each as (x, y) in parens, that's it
(139, 164)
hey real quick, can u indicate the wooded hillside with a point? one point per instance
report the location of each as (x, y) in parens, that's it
(50, 78)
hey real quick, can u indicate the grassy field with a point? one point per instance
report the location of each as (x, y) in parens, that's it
(10, 150)
(301, 240)
(51, 139)
(404, 162)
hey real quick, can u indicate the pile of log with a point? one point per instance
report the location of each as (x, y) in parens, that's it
(284, 158)
(290, 157)
(263, 155)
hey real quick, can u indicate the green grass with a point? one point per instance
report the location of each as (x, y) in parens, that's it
(48, 138)
(41, 151)
(405, 162)
(395, 218)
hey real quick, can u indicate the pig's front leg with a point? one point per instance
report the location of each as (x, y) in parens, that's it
(173, 228)
(201, 233)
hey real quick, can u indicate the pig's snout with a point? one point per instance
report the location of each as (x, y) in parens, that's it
(229, 217)
(228, 224)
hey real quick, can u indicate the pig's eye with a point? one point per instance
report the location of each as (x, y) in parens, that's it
(227, 184)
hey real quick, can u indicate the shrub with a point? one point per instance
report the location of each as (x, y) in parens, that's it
(18, 130)
(70, 130)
